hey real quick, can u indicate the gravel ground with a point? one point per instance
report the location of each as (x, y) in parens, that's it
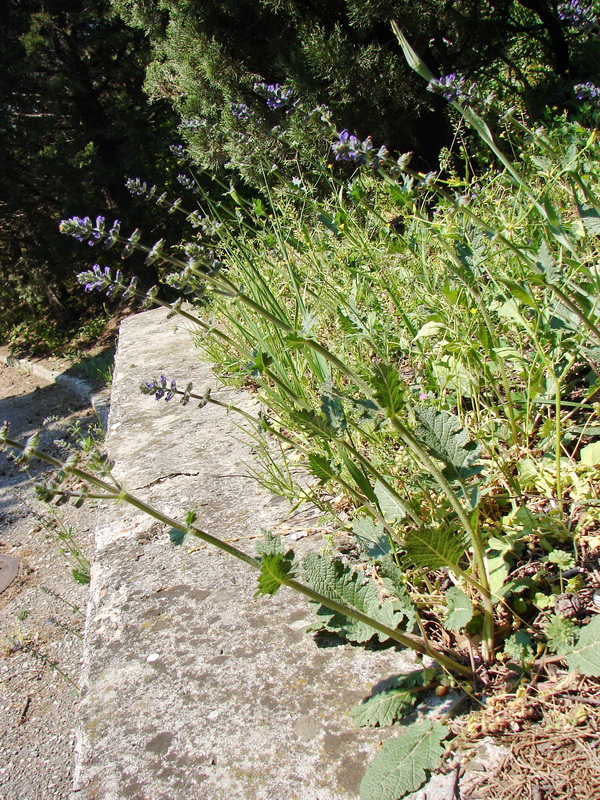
(42, 612)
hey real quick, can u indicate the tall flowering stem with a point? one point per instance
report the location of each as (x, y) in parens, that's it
(119, 494)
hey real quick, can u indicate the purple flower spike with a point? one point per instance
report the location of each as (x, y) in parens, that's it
(578, 15)
(586, 91)
(350, 148)
(158, 388)
(453, 88)
(240, 111)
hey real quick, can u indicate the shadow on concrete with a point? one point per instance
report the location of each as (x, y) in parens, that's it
(50, 410)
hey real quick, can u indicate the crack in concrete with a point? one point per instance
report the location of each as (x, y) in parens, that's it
(167, 478)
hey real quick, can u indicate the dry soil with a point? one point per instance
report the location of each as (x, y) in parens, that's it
(42, 610)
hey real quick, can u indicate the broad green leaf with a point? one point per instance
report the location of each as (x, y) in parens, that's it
(460, 608)
(337, 581)
(394, 583)
(451, 373)
(498, 571)
(388, 387)
(520, 292)
(585, 654)
(401, 766)
(442, 434)
(384, 708)
(434, 548)
(392, 702)
(510, 311)
(371, 538)
(269, 544)
(431, 328)
(590, 454)
(391, 506)
(274, 569)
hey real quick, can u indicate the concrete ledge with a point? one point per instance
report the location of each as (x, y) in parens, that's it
(192, 687)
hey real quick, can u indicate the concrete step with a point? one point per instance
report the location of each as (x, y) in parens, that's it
(194, 688)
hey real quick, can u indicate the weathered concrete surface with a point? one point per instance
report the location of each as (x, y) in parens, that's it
(194, 688)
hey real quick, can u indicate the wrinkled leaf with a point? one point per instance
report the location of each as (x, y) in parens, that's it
(394, 583)
(442, 434)
(460, 608)
(391, 703)
(519, 648)
(434, 548)
(334, 412)
(388, 387)
(402, 764)
(391, 506)
(337, 581)
(371, 538)
(585, 654)
(274, 569)
(270, 543)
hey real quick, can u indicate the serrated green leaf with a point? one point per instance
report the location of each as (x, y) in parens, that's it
(337, 581)
(394, 583)
(561, 633)
(371, 538)
(177, 537)
(384, 708)
(81, 577)
(444, 437)
(314, 423)
(274, 569)
(391, 507)
(585, 653)
(434, 548)
(460, 608)
(392, 702)
(401, 766)
(519, 648)
(321, 468)
(270, 543)
(547, 263)
(388, 387)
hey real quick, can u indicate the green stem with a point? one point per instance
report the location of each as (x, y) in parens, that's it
(477, 543)
(415, 643)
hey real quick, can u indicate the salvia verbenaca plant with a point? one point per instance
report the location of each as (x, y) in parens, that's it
(428, 346)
